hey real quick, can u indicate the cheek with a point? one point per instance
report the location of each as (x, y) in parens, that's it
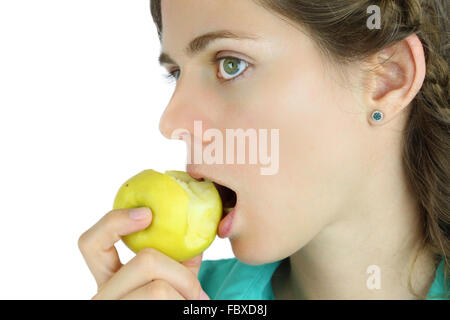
(319, 159)
(318, 123)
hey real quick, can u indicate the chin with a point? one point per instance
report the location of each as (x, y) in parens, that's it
(246, 253)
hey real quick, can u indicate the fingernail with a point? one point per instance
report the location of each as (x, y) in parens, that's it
(139, 213)
(204, 296)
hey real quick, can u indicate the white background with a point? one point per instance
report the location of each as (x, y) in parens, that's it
(81, 95)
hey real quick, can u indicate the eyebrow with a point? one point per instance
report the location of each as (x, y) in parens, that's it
(200, 43)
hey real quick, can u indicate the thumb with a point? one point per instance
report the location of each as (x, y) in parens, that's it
(194, 264)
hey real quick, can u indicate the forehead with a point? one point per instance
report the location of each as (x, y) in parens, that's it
(183, 20)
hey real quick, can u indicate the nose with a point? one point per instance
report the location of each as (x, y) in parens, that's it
(183, 109)
(171, 120)
(173, 117)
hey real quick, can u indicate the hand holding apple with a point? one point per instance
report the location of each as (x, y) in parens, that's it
(149, 275)
(186, 212)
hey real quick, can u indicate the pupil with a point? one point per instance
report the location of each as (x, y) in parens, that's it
(231, 66)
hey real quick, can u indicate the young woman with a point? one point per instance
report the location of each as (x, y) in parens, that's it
(360, 205)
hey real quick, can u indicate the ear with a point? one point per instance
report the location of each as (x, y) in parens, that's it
(398, 74)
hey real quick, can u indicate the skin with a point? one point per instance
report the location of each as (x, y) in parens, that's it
(149, 275)
(339, 202)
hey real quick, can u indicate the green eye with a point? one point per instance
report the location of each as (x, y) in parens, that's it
(231, 67)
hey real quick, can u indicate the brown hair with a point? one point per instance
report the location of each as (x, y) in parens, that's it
(426, 148)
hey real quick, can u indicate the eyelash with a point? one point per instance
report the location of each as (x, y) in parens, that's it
(172, 78)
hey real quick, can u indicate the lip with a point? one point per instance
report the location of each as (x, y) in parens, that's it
(226, 224)
(198, 175)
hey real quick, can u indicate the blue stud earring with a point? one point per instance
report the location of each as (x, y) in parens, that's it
(377, 116)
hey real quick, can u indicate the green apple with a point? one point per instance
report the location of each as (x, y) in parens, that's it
(185, 212)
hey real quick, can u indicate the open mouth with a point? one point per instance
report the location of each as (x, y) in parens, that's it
(228, 197)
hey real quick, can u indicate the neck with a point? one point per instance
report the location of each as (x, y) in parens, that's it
(384, 231)
(328, 269)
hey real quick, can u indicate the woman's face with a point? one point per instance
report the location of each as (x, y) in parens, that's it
(288, 85)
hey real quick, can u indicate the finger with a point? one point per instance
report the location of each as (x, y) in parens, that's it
(194, 264)
(97, 243)
(155, 290)
(148, 265)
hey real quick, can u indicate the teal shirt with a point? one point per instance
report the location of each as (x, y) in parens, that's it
(230, 279)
